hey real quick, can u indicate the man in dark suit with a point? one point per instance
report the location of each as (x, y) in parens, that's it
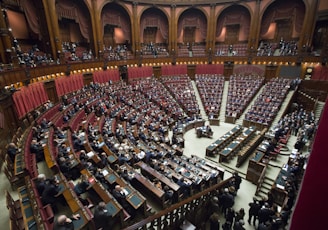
(253, 211)
(120, 196)
(50, 194)
(64, 223)
(12, 150)
(102, 218)
(37, 149)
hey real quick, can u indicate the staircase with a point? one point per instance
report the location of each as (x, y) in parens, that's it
(265, 187)
(224, 101)
(199, 101)
(318, 109)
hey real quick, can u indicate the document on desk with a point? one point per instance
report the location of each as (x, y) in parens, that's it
(280, 186)
(105, 172)
(90, 154)
(125, 192)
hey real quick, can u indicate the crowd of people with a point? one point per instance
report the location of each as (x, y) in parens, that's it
(268, 103)
(120, 52)
(284, 48)
(153, 50)
(210, 88)
(73, 51)
(241, 91)
(32, 57)
(139, 115)
(181, 88)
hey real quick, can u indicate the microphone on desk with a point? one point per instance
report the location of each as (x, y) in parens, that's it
(31, 225)
(25, 199)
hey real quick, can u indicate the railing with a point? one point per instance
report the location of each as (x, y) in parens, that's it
(260, 181)
(192, 208)
(12, 74)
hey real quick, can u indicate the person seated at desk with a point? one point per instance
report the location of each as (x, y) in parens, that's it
(103, 160)
(50, 194)
(83, 156)
(65, 166)
(63, 150)
(168, 194)
(127, 176)
(36, 133)
(97, 172)
(60, 134)
(37, 149)
(102, 218)
(123, 158)
(157, 183)
(44, 124)
(82, 186)
(41, 183)
(78, 144)
(184, 187)
(12, 150)
(208, 129)
(120, 196)
(64, 223)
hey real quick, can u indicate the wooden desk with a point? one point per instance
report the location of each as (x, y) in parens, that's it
(138, 179)
(30, 222)
(278, 189)
(255, 168)
(230, 150)
(82, 221)
(210, 164)
(222, 141)
(133, 196)
(97, 187)
(113, 208)
(19, 165)
(135, 200)
(144, 167)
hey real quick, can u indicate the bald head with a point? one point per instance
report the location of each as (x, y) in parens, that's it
(61, 219)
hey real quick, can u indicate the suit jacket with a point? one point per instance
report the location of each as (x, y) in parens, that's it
(102, 218)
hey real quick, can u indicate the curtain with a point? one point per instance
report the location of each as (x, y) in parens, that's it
(193, 20)
(68, 84)
(232, 18)
(29, 98)
(70, 10)
(155, 20)
(106, 76)
(285, 10)
(118, 19)
(31, 16)
(209, 69)
(320, 73)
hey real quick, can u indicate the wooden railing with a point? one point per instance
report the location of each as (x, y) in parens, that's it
(260, 181)
(14, 74)
(192, 209)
